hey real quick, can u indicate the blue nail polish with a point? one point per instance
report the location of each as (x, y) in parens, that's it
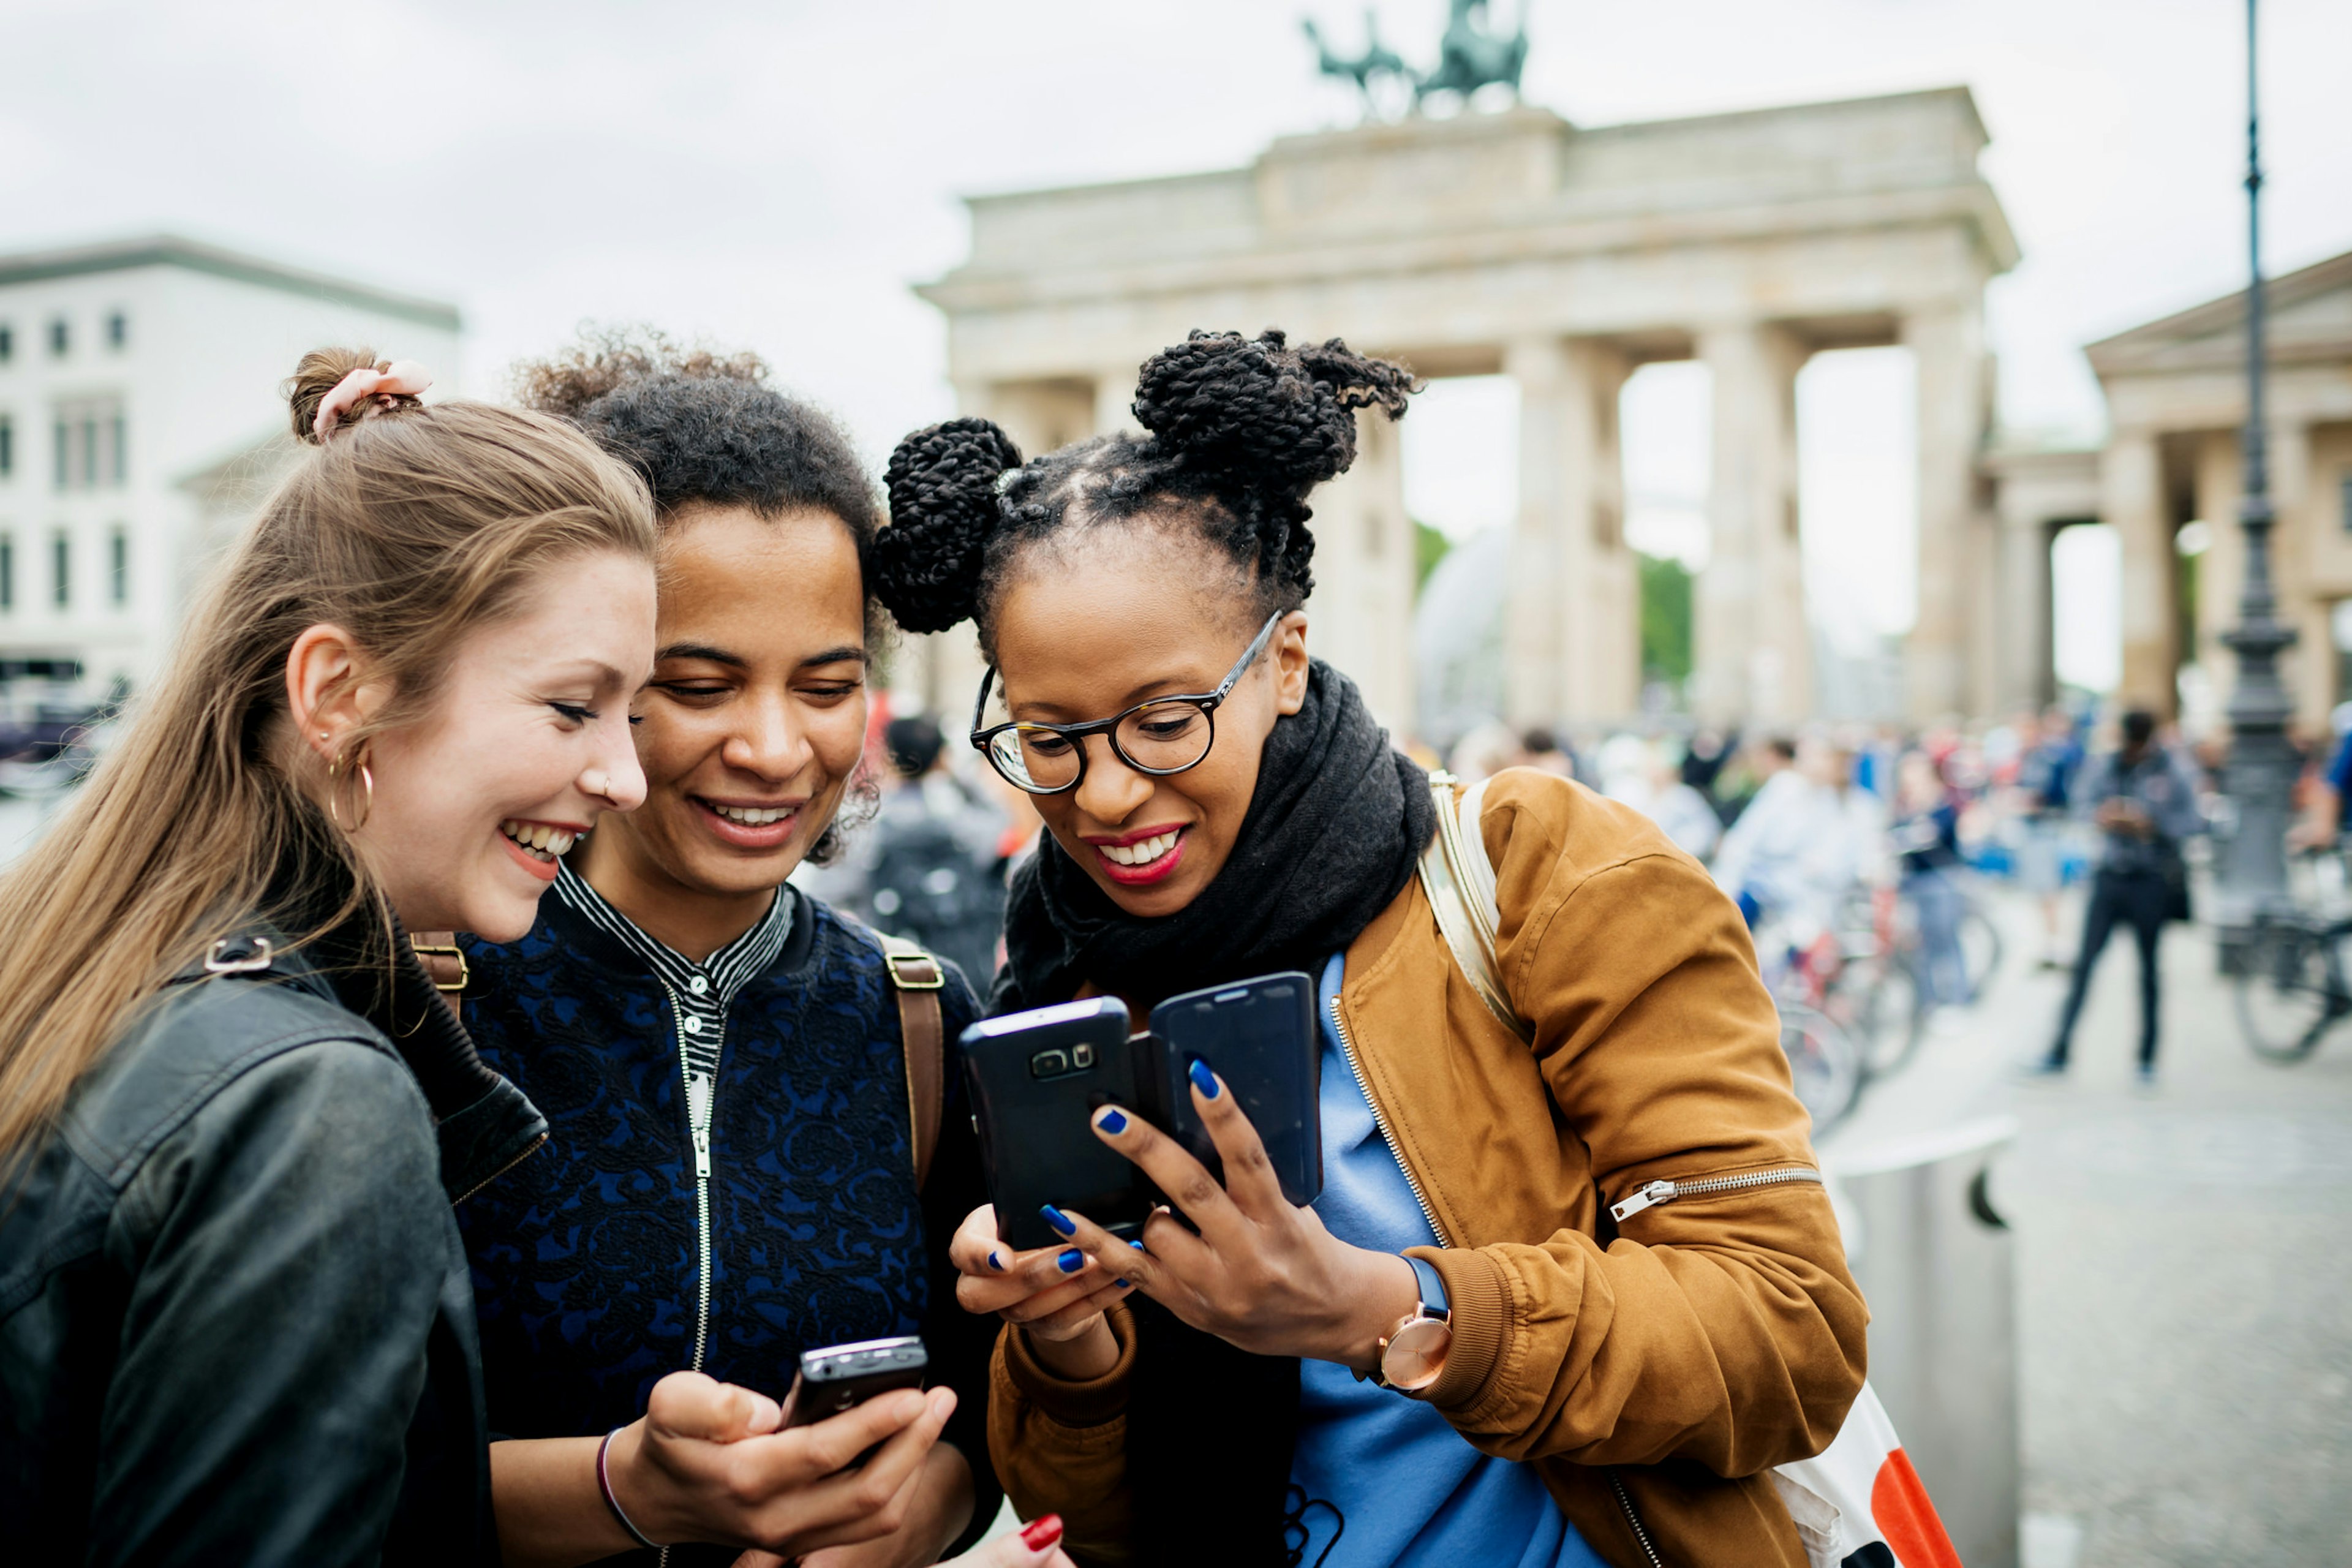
(995, 1262)
(1203, 1079)
(1112, 1120)
(1071, 1261)
(1139, 1247)
(1061, 1222)
(1120, 1283)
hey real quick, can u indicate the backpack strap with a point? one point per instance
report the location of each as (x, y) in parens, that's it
(444, 966)
(918, 978)
(1460, 881)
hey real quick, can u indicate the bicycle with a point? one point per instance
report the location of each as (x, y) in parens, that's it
(2292, 989)
(1825, 1064)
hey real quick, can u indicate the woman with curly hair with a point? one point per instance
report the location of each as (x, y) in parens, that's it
(1452, 1355)
(749, 1155)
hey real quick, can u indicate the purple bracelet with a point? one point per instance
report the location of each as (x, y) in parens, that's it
(604, 1485)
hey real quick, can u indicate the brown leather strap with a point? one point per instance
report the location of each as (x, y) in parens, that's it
(444, 966)
(917, 979)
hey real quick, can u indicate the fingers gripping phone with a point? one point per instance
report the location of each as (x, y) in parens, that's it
(837, 1378)
(1258, 1036)
(1036, 1079)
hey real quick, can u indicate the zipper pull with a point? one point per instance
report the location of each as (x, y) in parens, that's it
(1641, 1198)
(702, 1153)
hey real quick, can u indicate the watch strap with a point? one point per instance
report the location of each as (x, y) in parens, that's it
(1434, 1302)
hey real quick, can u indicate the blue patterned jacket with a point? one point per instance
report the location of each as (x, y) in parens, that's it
(586, 1257)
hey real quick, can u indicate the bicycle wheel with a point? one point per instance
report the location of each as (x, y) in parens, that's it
(1980, 948)
(1891, 1019)
(1822, 1061)
(2286, 999)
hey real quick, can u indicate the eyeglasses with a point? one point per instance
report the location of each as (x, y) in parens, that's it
(1159, 735)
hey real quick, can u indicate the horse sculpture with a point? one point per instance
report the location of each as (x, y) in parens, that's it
(1376, 59)
(1470, 55)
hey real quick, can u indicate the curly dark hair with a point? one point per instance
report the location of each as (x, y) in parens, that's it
(705, 429)
(1239, 430)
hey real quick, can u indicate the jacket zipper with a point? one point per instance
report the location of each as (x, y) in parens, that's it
(535, 1145)
(1348, 1049)
(1641, 1536)
(1652, 1193)
(698, 1129)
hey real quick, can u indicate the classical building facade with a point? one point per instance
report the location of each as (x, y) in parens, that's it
(1564, 256)
(136, 380)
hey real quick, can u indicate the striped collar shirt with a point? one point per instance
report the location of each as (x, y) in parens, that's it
(700, 993)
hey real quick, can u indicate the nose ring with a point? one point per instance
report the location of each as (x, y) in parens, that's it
(602, 784)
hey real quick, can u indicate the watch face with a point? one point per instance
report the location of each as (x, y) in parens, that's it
(1416, 1353)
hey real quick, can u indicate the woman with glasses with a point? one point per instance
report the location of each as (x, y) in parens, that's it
(1452, 1355)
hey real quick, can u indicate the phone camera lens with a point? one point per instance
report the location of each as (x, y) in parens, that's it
(1049, 1064)
(1082, 1055)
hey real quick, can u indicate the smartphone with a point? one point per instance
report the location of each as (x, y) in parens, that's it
(839, 1377)
(1258, 1036)
(1036, 1079)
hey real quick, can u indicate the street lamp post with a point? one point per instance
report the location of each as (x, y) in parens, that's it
(2258, 778)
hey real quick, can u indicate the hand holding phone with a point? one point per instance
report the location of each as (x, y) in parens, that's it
(838, 1378)
(1036, 1077)
(1258, 1036)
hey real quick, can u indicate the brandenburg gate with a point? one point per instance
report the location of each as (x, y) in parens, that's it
(1564, 256)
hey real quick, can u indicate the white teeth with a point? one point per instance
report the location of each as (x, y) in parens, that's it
(754, 815)
(1140, 854)
(538, 840)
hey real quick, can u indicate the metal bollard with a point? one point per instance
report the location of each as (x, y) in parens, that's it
(1934, 1263)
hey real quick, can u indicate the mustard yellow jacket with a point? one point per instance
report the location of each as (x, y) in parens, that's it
(1654, 1379)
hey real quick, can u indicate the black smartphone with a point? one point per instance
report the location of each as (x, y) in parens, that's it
(1259, 1036)
(840, 1377)
(1037, 1078)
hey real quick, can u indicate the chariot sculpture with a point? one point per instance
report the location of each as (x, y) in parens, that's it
(1474, 53)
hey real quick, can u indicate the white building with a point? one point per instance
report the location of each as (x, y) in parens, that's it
(138, 381)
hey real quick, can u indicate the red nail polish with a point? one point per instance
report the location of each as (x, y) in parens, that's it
(1040, 1533)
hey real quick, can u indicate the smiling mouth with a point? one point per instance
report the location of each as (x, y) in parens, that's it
(1143, 853)
(1144, 861)
(538, 840)
(753, 816)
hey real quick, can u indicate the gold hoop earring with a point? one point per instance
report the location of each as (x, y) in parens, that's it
(335, 789)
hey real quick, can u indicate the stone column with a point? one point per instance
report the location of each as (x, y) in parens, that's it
(1943, 656)
(2022, 635)
(2309, 668)
(2131, 500)
(1572, 634)
(1360, 615)
(1754, 656)
(1115, 400)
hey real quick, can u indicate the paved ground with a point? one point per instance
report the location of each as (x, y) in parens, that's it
(2185, 1269)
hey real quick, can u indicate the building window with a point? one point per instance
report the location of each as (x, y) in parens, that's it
(118, 566)
(93, 444)
(61, 569)
(61, 338)
(7, 343)
(8, 571)
(7, 446)
(118, 330)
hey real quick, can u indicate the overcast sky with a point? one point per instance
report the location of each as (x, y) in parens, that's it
(775, 174)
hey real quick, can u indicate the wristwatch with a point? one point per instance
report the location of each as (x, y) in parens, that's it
(1412, 1355)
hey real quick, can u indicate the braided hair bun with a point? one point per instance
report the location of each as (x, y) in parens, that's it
(942, 483)
(1240, 430)
(1260, 415)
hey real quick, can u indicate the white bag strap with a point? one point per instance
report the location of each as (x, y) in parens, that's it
(1460, 881)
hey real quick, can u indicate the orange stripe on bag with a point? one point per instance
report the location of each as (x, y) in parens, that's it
(1900, 1507)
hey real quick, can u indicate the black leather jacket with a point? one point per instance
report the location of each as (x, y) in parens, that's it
(235, 1324)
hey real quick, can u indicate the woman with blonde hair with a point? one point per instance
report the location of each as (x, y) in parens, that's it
(235, 1318)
